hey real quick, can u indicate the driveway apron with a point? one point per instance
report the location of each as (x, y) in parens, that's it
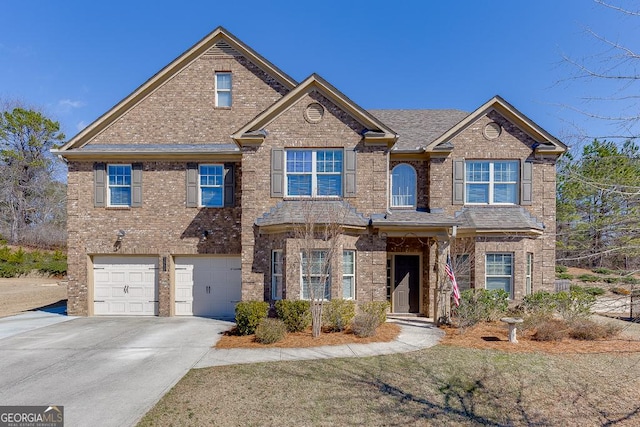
(105, 371)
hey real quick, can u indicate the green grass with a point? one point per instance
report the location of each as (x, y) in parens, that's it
(440, 386)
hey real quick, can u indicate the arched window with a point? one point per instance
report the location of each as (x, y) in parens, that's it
(403, 186)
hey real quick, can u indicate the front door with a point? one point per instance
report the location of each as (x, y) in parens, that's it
(406, 291)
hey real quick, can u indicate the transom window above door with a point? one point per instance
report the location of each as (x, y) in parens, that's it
(491, 182)
(313, 173)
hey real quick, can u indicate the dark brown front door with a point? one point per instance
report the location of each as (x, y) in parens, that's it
(406, 292)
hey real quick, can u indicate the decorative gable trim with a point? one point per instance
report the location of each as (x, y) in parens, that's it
(545, 142)
(218, 42)
(377, 132)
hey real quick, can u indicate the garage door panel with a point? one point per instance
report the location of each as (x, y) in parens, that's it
(125, 285)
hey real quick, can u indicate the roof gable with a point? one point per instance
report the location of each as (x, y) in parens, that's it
(253, 132)
(219, 41)
(546, 142)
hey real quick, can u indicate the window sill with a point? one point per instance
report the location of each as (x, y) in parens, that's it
(118, 208)
(222, 108)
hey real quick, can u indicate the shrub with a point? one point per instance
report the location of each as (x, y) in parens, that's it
(593, 290)
(574, 304)
(601, 270)
(479, 305)
(296, 314)
(376, 308)
(620, 291)
(561, 269)
(564, 276)
(270, 331)
(249, 314)
(338, 313)
(539, 304)
(550, 330)
(630, 280)
(589, 330)
(588, 278)
(365, 324)
(611, 280)
(53, 267)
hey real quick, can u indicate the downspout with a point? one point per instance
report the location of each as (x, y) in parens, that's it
(388, 175)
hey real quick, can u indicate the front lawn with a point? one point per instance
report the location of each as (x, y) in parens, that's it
(443, 385)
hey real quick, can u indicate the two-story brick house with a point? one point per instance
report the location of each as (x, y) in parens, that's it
(183, 197)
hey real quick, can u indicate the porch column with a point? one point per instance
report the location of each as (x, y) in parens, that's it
(442, 300)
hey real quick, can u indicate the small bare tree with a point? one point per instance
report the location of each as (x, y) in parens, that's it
(319, 242)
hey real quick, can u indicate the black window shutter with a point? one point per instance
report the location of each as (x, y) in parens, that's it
(99, 185)
(136, 185)
(192, 185)
(229, 185)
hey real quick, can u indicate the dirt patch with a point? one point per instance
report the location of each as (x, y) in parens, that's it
(26, 293)
(385, 333)
(494, 336)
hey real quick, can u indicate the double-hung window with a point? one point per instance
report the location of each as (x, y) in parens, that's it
(223, 89)
(491, 182)
(119, 181)
(499, 271)
(211, 182)
(528, 274)
(348, 274)
(403, 186)
(316, 275)
(314, 173)
(276, 274)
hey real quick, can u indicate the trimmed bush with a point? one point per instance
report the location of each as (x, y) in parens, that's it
(480, 305)
(539, 304)
(376, 308)
(338, 313)
(561, 269)
(249, 314)
(270, 331)
(574, 304)
(564, 276)
(365, 324)
(296, 314)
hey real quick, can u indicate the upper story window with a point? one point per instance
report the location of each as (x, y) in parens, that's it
(403, 186)
(119, 182)
(223, 89)
(313, 173)
(211, 182)
(491, 182)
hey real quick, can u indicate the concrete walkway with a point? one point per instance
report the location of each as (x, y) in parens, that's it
(415, 334)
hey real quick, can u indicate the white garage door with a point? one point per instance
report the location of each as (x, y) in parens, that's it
(208, 286)
(125, 285)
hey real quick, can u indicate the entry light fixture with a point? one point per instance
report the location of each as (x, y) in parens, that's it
(120, 235)
(204, 235)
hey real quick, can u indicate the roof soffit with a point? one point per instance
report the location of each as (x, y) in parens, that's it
(316, 83)
(511, 114)
(166, 73)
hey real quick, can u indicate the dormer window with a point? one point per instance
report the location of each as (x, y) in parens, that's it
(223, 89)
(403, 186)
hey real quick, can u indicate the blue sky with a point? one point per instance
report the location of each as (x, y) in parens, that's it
(76, 59)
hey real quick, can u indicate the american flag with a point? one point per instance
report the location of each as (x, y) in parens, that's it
(456, 290)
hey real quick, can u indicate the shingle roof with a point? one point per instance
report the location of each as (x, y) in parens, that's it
(498, 218)
(417, 128)
(322, 211)
(414, 218)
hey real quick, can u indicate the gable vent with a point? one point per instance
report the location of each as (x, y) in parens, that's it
(492, 130)
(314, 112)
(221, 49)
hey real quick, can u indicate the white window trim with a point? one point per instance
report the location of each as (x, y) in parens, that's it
(109, 186)
(313, 275)
(218, 90)
(314, 175)
(415, 188)
(351, 275)
(510, 277)
(528, 274)
(275, 275)
(492, 182)
(200, 187)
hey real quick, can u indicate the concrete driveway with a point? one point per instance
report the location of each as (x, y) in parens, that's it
(105, 371)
